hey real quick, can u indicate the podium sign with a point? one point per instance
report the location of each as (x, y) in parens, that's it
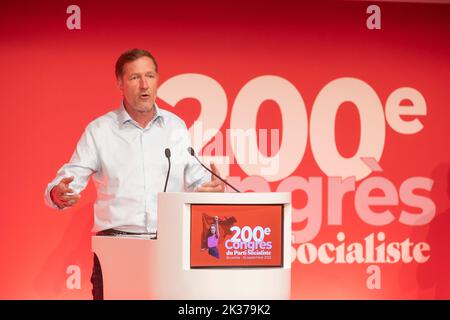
(236, 235)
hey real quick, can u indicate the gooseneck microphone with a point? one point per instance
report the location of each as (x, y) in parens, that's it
(167, 152)
(192, 153)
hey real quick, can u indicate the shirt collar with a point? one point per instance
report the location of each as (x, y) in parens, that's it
(124, 117)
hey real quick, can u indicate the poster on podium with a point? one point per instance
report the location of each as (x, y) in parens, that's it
(236, 236)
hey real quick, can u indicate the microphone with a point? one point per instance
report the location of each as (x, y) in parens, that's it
(192, 153)
(167, 152)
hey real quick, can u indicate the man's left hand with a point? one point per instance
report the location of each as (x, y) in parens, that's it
(215, 185)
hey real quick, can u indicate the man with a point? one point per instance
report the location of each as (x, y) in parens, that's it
(125, 153)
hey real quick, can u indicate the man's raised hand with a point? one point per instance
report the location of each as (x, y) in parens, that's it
(62, 195)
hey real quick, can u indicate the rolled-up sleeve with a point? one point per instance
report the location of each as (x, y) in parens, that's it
(195, 175)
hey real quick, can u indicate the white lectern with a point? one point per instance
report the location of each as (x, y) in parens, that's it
(138, 267)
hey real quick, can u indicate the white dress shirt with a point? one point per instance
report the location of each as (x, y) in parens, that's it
(129, 167)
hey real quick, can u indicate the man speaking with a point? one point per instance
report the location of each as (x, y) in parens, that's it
(128, 152)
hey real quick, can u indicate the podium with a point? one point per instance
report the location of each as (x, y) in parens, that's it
(252, 261)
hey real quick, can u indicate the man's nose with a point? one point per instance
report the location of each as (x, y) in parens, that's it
(143, 84)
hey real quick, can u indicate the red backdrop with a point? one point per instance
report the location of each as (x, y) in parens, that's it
(55, 81)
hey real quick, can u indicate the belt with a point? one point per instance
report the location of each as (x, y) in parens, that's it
(114, 232)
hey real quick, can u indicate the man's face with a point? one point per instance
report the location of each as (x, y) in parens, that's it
(138, 84)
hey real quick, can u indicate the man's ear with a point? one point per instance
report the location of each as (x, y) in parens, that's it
(119, 83)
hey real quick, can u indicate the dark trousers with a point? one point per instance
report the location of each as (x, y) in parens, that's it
(97, 280)
(96, 277)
